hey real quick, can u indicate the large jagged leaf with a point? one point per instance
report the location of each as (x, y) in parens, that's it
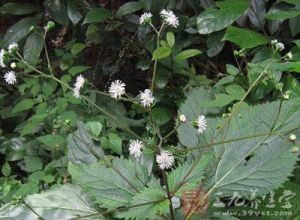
(213, 19)
(148, 204)
(81, 148)
(64, 202)
(111, 187)
(188, 175)
(257, 151)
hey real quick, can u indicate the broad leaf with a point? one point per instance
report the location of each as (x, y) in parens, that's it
(282, 15)
(64, 202)
(18, 8)
(81, 148)
(73, 12)
(213, 19)
(128, 8)
(111, 187)
(161, 52)
(33, 48)
(187, 54)
(97, 15)
(148, 204)
(23, 105)
(244, 38)
(257, 151)
(58, 11)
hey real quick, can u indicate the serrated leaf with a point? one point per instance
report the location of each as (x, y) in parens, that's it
(64, 202)
(97, 15)
(244, 38)
(111, 187)
(148, 204)
(81, 148)
(161, 52)
(257, 152)
(213, 19)
(129, 8)
(188, 175)
(183, 55)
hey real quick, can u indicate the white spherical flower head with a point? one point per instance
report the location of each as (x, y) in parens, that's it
(293, 137)
(79, 82)
(146, 98)
(289, 55)
(117, 89)
(145, 18)
(135, 147)
(13, 47)
(10, 77)
(201, 124)
(278, 45)
(182, 118)
(165, 159)
(169, 18)
(2, 64)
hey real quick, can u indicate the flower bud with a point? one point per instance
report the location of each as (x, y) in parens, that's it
(13, 65)
(293, 137)
(182, 118)
(50, 25)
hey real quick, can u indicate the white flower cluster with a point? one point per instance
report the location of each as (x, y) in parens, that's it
(135, 147)
(13, 47)
(145, 18)
(117, 89)
(77, 86)
(169, 18)
(201, 124)
(289, 55)
(10, 77)
(2, 53)
(146, 98)
(165, 159)
(278, 45)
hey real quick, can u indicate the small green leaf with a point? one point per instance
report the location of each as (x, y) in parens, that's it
(6, 170)
(244, 38)
(170, 39)
(232, 70)
(33, 163)
(187, 54)
(95, 127)
(236, 91)
(73, 12)
(129, 8)
(77, 48)
(161, 115)
(77, 69)
(115, 143)
(52, 141)
(23, 105)
(97, 15)
(161, 52)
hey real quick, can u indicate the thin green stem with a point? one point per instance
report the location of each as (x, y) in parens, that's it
(47, 55)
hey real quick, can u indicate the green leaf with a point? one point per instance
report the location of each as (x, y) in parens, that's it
(213, 19)
(67, 200)
(33, 48)
(282, 14)
(33, 163)
(181, 179)
(95, 127)
(23, 105)
(73, 12)
(81, 148)
(170, 39)
(183, 55)
(161, 115)
(257, 152)
(129, 8)
(235, 91)
(52, 141)
(161, 52)
(244, 38)
(97, 15)
(77, 48)
(151, 202)
(19, 30)
(74, 70)
(232, 70)
(111, 187)
(18, 8)
(219, 101)
(115, 143)
(6, 170)
(58, 12)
